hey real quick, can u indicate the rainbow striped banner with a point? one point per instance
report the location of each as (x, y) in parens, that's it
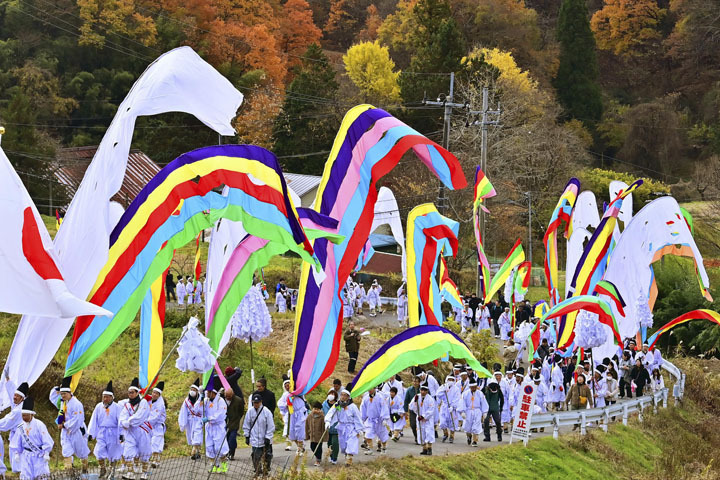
(591, 304)
(593, 262)
(144, 239)
(608, 288)
(701, 314)
(369, 144)
(415, 346)
(152, 321)
(429, 235)
(448, 288)
(483, 190)
(562, 213)
(515, 257)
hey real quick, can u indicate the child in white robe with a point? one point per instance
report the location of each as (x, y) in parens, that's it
(349, 426)
(375, 413)
(297, 417)
(103, 428)
(216, 447)
(157, 422)
(397, 413)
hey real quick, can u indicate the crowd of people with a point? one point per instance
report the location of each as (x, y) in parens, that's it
(186, 291)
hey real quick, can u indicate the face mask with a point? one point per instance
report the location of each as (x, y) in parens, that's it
(193, 393)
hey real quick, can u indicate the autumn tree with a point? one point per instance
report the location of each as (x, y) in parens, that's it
(297, 30)
(628, 27)
(371, 69)
(103, 17)
(396, 32)
(308, 119)
(346, 19)
(576, 79)
(372, 23)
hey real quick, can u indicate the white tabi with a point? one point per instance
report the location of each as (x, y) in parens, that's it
(296, 420)
(133, 422)
(35, 443)
(156, 419)
(103, 428)
(375, 413)
(556, 393)
(9, 423)
(474, 406)
(506, 390)
(215, 413)
(505, 326)
(72, 435)
(349, 426)
(482, 315)
(424, 407)
(190, 420)
(450, 401)
(180, 291)
(396, 406)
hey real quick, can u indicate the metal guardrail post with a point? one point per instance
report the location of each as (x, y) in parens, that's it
(625, 415)
(556, 427)
(640, 411)
(583, 423)
(606, 420)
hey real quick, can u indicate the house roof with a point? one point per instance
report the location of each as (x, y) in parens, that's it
(300, 183)
(73, 162)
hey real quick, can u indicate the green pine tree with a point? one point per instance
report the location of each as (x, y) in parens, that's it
(576, 79)
(308, 120)
(439, 46)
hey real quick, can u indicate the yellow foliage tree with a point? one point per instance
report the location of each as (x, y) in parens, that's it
(396, 29)
(628, 27)
(510, 75)
(371, 69)
(100, 17)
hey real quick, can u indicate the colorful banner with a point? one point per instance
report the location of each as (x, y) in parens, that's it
(701, 314)
(515, 257)
(152, 321)
(448, 289)
(593, 262)
(590, 304)
(483, 190)
(415, 346)
(562, 213)
(197, 269)
(137, 255)
(606, 287)
(429, 235)
(369, 144)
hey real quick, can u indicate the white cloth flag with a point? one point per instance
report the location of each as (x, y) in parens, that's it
(178, 81)
(30, 280)
(387, 212)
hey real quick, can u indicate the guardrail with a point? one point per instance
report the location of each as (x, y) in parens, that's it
(623, 408)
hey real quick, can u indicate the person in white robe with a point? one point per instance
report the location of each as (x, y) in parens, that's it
(349, 426)
(424, 407)
(556, 393)
(402, 307)
(397, 412)
(157, 420)
(258, 428)
(482, 316)
(34, 442)
(103, 428)
(474, 406)
(190, 419)
(181, 291)
(505, 325)
(449, 399)
(71, 422)
(280, 302)
(11, 421)
(296, 417)
(216, 447)
(198, 292)
(506, 388)
(375, 413)
(359, 298)
(135, 431)
(373, 300)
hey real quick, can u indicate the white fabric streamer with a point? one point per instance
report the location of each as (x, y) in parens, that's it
(194, 352)
(644, 315)
(589, 332)
(387, 212)
(178, 81)
(523, 332)
(251, 320)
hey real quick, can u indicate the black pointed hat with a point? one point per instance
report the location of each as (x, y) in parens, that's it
(22, 389)
(196, 383)
(29, 406)
(135, 384)
(520, 371)
(65, 385)
(159, 387)
(217, 384)
(109, 389)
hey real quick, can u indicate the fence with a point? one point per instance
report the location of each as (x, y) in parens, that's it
(623, 409)
(183, 468)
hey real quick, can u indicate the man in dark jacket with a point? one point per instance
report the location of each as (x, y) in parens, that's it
(352, 345)
(473, 303)
(232, 375)
(495, 311)
(268, 397)
(235, 411)
(409, 395)
(495, 401)
(170, 288)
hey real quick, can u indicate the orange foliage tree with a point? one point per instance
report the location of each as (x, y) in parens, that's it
(628, 27)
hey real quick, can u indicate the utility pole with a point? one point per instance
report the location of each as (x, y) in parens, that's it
(448, 105)
(529, 195)
(484, 123)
